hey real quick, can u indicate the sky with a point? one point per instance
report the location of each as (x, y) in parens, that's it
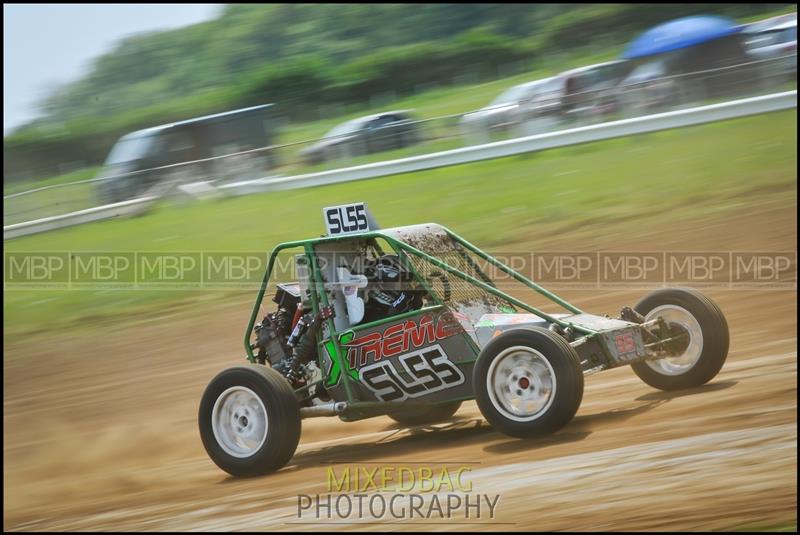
(46, 45)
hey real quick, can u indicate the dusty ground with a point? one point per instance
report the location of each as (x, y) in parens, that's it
(101, 433)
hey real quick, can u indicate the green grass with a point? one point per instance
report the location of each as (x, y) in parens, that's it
(428, 104)
(648, 179)
(788, 527)
(782, 11)
(425, 105)
(49, 202)
(74, 176)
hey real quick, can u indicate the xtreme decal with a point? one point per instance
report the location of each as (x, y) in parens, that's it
(400, 338)
(332, 370)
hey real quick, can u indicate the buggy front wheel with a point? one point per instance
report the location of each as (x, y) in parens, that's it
(249, 420)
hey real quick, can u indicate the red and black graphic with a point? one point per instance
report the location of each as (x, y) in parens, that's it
(400, 338)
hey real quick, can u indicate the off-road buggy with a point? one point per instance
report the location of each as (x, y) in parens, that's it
(411, 321)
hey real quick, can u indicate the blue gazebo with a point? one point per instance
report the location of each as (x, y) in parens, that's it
(680, 33)
(705, 53)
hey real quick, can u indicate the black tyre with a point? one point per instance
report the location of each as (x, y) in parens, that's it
(528, 382)
(429, 415)
(708, 341)
(249, 420)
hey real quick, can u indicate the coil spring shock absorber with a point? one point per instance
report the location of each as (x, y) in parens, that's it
(298, 313)
(303, 340)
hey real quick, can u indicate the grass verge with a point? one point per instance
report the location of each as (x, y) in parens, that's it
(636, 181)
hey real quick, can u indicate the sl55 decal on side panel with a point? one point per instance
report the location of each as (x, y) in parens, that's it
(429, 368)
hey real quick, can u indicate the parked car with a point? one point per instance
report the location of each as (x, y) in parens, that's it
(364, 135)
(131, 166)
(590, 92)
(648, 89)
(506, 110)
(577, 93)
(775, 41)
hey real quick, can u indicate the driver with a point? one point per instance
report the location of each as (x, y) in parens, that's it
(391, 289)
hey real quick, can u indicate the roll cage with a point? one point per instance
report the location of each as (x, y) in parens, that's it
(406, 252)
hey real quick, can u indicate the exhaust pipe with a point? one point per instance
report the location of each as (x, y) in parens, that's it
(328, 409)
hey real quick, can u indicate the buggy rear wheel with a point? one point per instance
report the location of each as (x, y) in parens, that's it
(528, 382)
(429, 415)
(249, 420)
(708, 339)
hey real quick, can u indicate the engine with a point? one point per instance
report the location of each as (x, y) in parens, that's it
(287, 337)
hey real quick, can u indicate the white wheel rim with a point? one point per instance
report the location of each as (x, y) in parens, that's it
(682, 363)
(521, 383)
(239, 421)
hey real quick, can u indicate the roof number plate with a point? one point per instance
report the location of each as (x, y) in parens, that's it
(346, 219)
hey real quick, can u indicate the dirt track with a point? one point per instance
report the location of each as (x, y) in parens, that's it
(102, 434)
